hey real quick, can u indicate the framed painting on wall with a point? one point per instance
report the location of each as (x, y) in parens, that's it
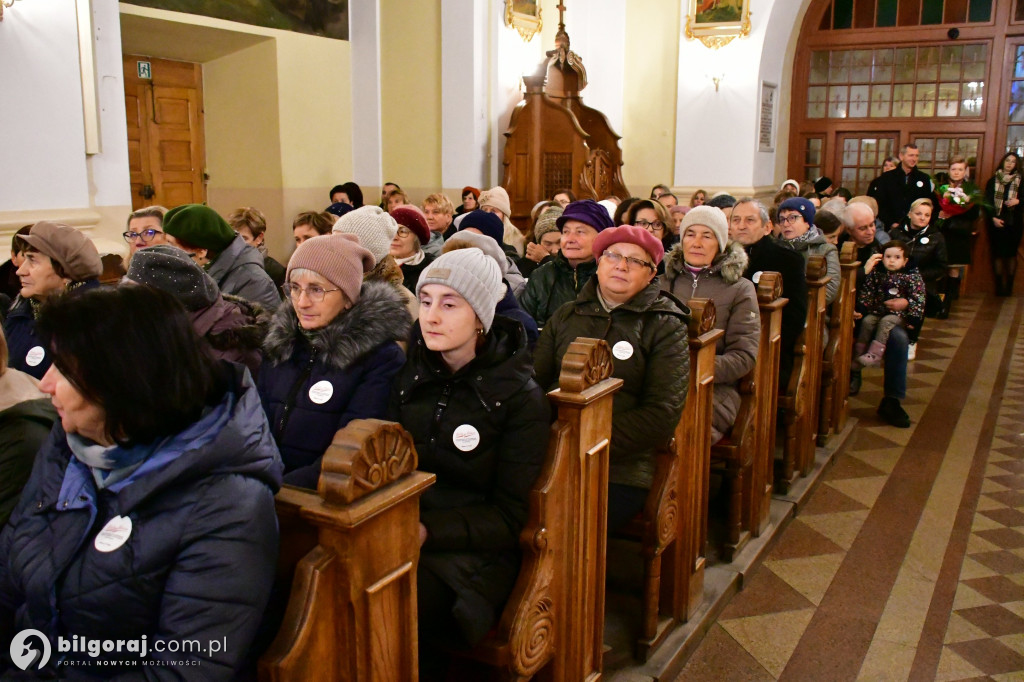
(716, 22)
(523, 16)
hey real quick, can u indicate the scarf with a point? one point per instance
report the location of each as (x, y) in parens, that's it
(110, 464)
(37, 304)
(812, 232)
(414, 259)
(1006, 188)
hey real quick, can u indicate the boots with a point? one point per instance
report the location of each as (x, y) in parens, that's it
(873, 357)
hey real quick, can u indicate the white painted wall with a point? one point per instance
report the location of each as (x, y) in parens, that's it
(364, 33)
(109, 170)
(716, 132)
(42, 136)
(464, 92)
(597, 33)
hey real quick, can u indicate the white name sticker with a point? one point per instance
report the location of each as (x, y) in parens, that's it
(894, 291)
(34, 356)
(920, 183)
(321, 392)
(622, 350)
(114, 534)
(466, 437)
(756, 279)
(924, 240)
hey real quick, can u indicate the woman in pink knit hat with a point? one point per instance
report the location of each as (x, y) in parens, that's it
(331, 351)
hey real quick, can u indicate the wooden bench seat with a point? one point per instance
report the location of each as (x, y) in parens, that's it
(835, 364)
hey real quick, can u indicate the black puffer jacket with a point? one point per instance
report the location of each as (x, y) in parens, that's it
(927, 250)
(649, 340)
(476, 509)
(198, 560)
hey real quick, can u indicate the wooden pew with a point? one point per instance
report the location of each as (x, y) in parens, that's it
(835, 364)
(553, 623)
(799, 403)
(766, 397)
(350, 551)
(673, 529)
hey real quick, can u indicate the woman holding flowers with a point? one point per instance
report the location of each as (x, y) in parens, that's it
(958, 204)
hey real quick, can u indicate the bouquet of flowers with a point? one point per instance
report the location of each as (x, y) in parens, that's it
(955, 200)
(955, 195)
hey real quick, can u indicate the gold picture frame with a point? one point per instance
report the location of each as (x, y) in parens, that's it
(717, 22)
(524, 16)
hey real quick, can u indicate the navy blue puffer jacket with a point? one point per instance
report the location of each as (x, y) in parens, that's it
(198, 562)
(314, 383)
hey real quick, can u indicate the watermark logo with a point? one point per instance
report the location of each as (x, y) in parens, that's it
(24, 652)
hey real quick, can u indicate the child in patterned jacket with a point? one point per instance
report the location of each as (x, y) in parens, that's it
(897, 279)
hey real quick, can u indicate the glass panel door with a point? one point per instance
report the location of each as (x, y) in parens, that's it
(860, 158)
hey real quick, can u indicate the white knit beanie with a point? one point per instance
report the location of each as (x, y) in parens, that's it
(473, 275)
(374, 227)
(497, 197)
(709, 217)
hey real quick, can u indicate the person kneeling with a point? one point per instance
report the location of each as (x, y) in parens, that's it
(646, 329)
(480, 423)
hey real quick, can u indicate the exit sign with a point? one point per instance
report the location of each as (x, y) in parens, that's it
(145, 70)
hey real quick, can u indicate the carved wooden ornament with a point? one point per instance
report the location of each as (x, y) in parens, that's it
(365, 456)
(586, 362)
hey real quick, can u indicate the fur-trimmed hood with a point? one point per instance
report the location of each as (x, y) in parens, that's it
(378, 316)
(731, 263)
(231, 323)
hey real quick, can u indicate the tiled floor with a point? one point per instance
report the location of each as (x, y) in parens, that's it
(908, 560)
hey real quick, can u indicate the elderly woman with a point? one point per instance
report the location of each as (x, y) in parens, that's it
(407, 246)
(706, 264)
(331, 351)
(145, 227)
(496, 201)
(375, 230)
(470, 197)
(480, 423)
(149, 515)
(57, 258)
(798, 232)
(233, 327)
(926, 248)
(646, 329)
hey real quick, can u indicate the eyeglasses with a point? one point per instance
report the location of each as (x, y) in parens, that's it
(631, 263)
(791, 218)
(314, 292)
(404, 232)
(146, 235)
(649, 226)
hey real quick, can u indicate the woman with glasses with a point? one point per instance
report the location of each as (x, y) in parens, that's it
(145, 228)
(706, 264)
(646, 329)
(331, 351)
(798, 232)
(407, 246)
(654, 217)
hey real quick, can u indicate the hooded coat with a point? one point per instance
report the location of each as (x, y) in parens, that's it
(238, 270)
(26, 417)
(650, 342)
(736, 313)
(816, 245)
(199, 559)
(478, 506)
(314, 383)
(234, 328)
(554, 284)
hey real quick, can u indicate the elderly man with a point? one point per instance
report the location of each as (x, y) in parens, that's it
(897, 189)
(646, 329)
(750, 226)
(860, 229)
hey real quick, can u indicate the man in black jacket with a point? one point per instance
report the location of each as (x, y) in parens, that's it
(750, 226)
(895, 190)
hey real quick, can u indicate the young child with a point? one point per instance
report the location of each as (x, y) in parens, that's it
(896, 280)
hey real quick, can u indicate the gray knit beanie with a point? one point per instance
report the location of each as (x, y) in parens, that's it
(373, 226)
(170, 269)
(711, 218)
(473, 275)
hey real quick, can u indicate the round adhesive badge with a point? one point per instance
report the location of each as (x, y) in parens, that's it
(321, 392)
(114, 534)
(622, 350)
(466, 437)
(34, 356)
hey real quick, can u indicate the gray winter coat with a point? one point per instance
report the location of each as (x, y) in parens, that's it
(817, 246)
(736, 313)
(238, 270)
